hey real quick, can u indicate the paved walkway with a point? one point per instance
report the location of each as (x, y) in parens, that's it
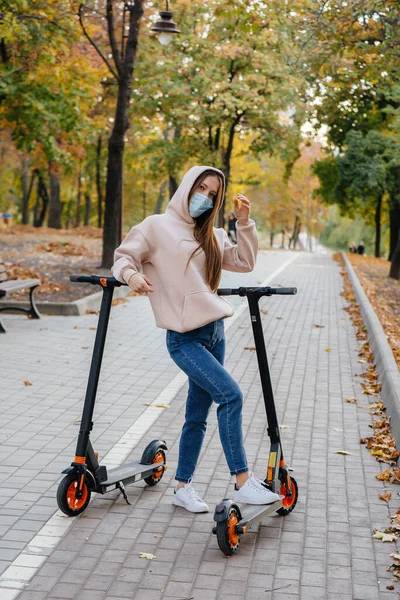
(324, 549)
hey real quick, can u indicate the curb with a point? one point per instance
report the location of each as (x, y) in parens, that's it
(67, 309)
(389, 374)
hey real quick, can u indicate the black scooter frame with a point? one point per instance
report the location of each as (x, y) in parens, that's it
(85, 468)
(277, 476)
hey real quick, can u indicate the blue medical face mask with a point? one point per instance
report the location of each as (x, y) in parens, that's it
(199, 204)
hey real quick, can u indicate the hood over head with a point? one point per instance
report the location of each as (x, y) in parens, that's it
(178, 206)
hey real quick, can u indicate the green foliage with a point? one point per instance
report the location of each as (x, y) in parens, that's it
(338, 232)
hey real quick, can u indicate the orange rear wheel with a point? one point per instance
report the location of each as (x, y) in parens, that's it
(159, 457)
(227, 537)
(288, 502)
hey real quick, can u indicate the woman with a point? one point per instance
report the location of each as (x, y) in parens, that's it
(182, 256)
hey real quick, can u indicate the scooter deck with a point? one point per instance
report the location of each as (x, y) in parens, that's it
(252, 514)
(132, 471)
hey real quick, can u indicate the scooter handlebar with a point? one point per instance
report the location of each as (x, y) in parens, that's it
(260, 291)
(104, 281)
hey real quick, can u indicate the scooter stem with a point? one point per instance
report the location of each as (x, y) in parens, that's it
(266, 384)
(88, 407)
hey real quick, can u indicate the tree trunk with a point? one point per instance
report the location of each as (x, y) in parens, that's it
(271, 238)
(160, 199)
(394, 219)
(55, 203)
(112, 232)
(26, 191)
(78, 199)
(226, 168)
(98, 182)
(293, 237)
(378, 211)
(68, 216)
(43, 197)
(88, 208)
(144, 198)
(173, 185)
(394, 272)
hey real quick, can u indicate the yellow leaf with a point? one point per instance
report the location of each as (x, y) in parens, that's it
(344, 452)
(328, 349)
(147, 555)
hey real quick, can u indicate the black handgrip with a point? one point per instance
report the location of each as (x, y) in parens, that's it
(225, 292)
(291, 291)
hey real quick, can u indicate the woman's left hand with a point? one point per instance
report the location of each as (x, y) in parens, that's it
(242, 208)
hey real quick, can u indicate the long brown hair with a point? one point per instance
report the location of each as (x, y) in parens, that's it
(204, 233)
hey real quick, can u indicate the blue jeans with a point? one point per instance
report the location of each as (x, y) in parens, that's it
(200, 354)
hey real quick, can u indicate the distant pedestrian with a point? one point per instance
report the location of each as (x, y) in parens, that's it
(353, 248)
(360, 247)
(232, 228)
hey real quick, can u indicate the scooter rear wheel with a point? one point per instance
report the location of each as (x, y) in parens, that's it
(159, 457)
(288, 502)
(67, 501)
(227, 538)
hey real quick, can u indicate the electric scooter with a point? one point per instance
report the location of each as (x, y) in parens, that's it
(231, 520)
(86, 475)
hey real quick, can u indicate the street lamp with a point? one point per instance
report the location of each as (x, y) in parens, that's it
(165, 27)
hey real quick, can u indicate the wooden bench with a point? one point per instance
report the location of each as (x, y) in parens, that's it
(13, 285)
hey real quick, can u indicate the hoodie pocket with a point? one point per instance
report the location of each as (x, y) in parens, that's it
(203, 307)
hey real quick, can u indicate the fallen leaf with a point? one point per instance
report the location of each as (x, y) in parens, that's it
(395, 556)
(147, 555)
(118, 301)
(249, 347)
(385, 537)
(337, 429)
(265, 312)
(318, 326)
(328, 349)
(284, 426)
(351, 400)
(344, 452)
(93, 311)
(385, 497)
(27, 383)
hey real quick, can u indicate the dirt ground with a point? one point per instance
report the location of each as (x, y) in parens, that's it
(383, 293)
(52, 256)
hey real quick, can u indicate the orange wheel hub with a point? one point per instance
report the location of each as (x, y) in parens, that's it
(232, 535)
(159, 458)
(73, 502)
(288, 501)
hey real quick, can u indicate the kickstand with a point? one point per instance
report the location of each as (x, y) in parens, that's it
(121, 487)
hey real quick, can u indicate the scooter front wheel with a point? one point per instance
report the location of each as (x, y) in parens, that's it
(227, 538)
(159, 457)
(288, 502)
(67, 501)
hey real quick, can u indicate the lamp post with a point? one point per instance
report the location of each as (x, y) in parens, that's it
(165, 26)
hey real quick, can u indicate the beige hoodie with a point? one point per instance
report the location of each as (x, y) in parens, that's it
(161, 246)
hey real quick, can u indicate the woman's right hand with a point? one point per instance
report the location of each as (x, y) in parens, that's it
(139, 283)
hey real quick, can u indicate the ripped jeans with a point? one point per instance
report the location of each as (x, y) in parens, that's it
(200, 354)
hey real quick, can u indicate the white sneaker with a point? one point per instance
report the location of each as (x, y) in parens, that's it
(188, 498)
(254, 492)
